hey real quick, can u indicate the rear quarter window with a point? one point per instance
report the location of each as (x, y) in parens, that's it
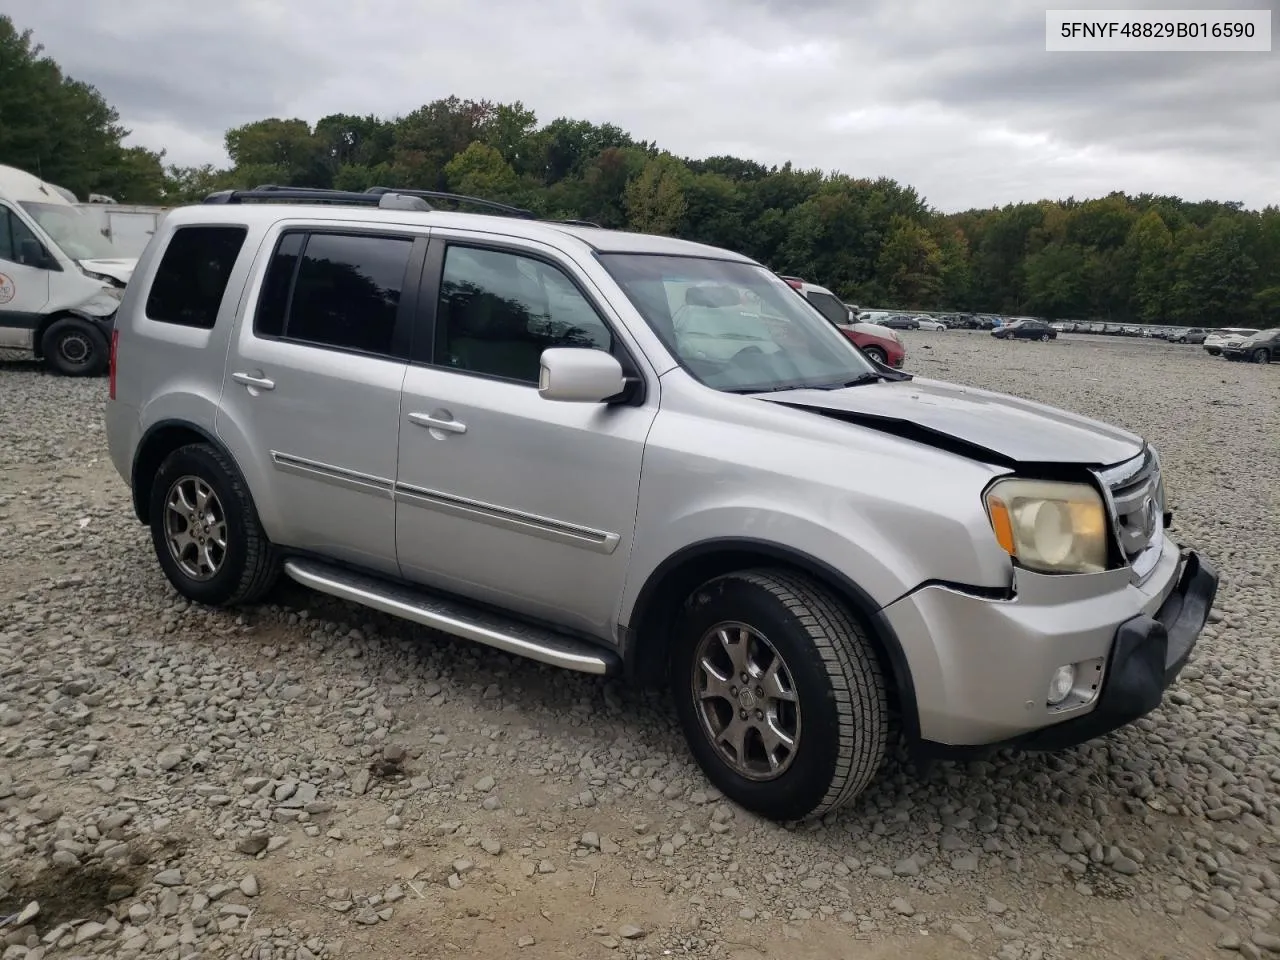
(190, 282)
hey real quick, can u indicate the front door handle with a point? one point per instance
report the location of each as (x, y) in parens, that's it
(250, 380)
(438, 423)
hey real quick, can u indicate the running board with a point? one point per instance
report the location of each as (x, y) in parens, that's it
(455, 617)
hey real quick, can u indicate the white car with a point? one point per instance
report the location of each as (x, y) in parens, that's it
(1213, 342)
(928, 323)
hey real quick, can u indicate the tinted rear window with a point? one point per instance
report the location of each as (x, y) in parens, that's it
(192, 277)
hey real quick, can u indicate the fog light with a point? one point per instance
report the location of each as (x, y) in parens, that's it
(1064, 678)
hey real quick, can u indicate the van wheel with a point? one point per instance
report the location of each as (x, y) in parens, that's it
(74, 348)
(779, 692)
(206, 532)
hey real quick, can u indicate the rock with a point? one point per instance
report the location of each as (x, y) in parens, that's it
(88, 931)
(249, 885)
(1124, 865)
(965, 863)
(1267, 941)
(902, 907)
(169, 759)
(525, 941)
(546, 866)
(491, 846)
(629, 931)
(1228, 940)
(996, 907)
(26, 915)
(485, 784)
(960, 932)
(253, 844)
(169, 878)
(1069, 843)
(906, 868)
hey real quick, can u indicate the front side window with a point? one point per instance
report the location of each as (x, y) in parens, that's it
(334, 290)
(735, 326)
(17, 243)
(192, 277)
(75, 231)
(498, 311)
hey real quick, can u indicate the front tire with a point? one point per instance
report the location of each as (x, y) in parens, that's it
(808, 728)
(876, 354)
(74, 348)
(1044, 338)
(1262, 355)
(205, 529)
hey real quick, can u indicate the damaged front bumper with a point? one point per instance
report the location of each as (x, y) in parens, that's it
(981, 666)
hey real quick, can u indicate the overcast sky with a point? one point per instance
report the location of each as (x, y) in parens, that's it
(957, 98)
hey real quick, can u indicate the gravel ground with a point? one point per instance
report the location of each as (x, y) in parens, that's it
(308, 780)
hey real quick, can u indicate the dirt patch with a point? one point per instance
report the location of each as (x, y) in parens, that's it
(69, 893)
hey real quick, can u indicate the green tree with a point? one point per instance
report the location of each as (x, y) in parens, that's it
(279, 151)
(1214, 275)
(480, 171)
(910, 264)
(55, 127)
(655, 200)
(1149, 248)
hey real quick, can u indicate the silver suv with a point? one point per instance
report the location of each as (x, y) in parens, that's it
(619, 453)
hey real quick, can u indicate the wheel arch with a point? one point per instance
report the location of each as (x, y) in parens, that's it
(646, 637)
(160, 440)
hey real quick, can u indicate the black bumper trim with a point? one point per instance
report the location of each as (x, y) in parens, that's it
(1146, 657)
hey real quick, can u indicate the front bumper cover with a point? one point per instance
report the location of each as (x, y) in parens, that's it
(1147, 655)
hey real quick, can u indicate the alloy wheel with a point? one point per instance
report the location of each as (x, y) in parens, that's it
(195, 526)
(746, 701)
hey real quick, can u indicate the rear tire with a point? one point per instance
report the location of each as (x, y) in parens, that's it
(1044, 338)
(205, 529)
(813, 680)
(74, 348)
(876, 354)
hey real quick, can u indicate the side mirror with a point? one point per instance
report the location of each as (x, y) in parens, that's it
(579, 375)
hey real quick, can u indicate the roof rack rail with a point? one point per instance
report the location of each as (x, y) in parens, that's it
(389, 199)
(506, 208)
(401, 198)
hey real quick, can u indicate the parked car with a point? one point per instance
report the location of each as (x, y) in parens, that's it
(928, 323)
(1190, 335)
(1261, 347)
(1025, 330)
(444, 416)
(879, 343)
(900, 321)
(1214, 341)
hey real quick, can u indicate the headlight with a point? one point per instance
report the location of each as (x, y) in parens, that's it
(1049, 526)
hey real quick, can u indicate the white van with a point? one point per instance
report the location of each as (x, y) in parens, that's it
(61, 279)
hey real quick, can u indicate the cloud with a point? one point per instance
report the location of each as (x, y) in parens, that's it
(960, 100)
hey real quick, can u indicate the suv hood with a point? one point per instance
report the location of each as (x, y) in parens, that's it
(121, 269)
(981, 424)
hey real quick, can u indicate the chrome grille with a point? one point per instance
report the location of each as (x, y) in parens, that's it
(1134, 495)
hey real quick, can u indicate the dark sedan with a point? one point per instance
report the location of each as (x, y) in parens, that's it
(1025, 330)
(900, 321)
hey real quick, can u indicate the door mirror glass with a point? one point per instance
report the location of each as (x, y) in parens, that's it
(579, 375)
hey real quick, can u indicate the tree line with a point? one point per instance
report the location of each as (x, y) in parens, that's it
(874, 241)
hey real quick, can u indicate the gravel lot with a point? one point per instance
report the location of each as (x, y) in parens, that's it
(308, 780)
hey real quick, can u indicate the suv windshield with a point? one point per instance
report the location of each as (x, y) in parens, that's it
(72, 230)
(735, 326)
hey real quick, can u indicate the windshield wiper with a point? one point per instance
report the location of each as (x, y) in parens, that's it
(857, 381)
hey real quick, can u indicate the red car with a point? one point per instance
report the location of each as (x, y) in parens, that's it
(879, 343)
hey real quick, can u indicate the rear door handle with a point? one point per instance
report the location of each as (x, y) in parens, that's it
(250, 380)
(438, 423)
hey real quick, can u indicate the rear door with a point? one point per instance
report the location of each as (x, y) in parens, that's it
(312, 389)
(502, 496)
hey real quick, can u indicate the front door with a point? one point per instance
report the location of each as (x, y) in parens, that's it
(504, 497)
(24, 285)
(312, 395)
